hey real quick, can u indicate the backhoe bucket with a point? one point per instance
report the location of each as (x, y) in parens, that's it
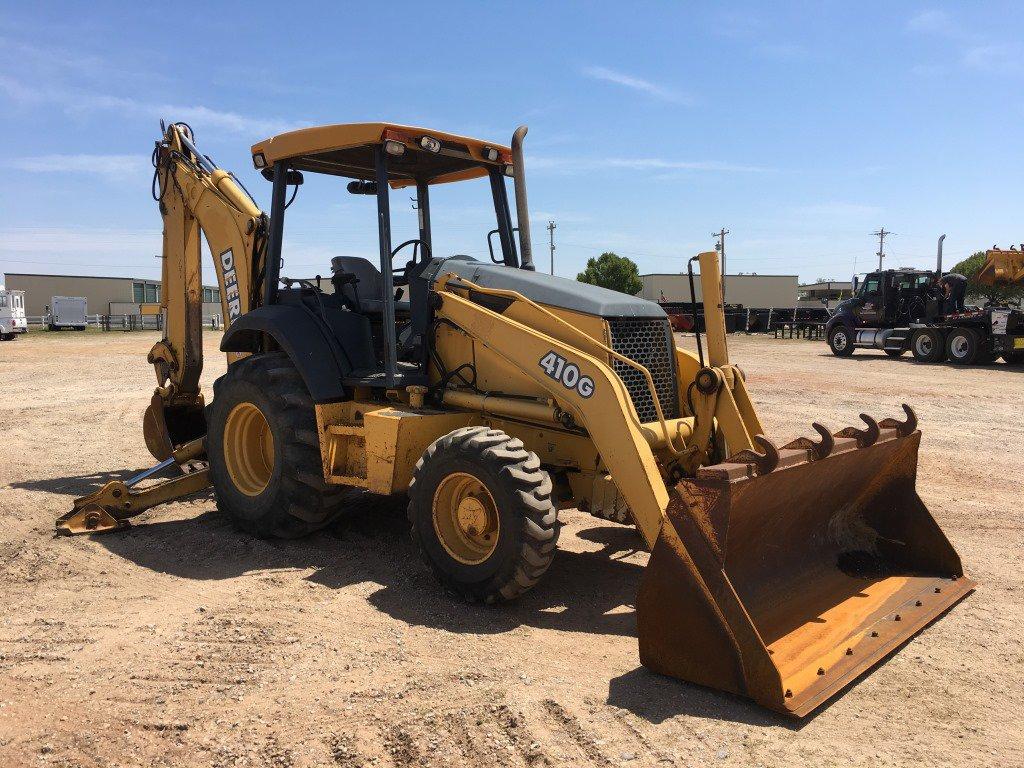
(784, 576)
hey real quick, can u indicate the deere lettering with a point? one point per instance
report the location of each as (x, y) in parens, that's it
(227, 263)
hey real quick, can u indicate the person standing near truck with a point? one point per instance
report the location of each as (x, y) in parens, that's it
(955, 288)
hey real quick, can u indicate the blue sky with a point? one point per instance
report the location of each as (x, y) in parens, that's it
(801, 127)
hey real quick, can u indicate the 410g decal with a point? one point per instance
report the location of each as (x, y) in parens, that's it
(567, 374)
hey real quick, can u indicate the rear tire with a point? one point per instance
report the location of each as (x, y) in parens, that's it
(840, 340)
(264, 452)
(926, 345)
(481, 514)
(962, 346)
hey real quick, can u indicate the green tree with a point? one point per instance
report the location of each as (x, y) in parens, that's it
(993, 294)
(609, 270)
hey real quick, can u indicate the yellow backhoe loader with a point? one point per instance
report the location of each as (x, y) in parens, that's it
(495, 396)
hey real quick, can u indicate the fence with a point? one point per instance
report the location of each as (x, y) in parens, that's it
(126, 322)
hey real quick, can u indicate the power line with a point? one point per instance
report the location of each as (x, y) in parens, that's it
(551, 233)
(881, 234)
(720, 247)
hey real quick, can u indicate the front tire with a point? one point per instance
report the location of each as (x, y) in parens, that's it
(264, 450)
(926, 345)
(481, 514)
(840, 340)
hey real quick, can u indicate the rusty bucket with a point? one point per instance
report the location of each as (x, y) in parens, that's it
(785, 577)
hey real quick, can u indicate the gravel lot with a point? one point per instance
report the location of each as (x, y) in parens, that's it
(183, 642)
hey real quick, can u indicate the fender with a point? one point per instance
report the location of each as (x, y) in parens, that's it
(842, 317)
(322, 360)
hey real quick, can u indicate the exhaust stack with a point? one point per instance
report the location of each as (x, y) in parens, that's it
(938, 257)
(522, 210)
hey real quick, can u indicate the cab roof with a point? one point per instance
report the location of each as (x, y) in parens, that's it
(347, 150)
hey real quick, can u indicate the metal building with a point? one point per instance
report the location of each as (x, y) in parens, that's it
(813, 295)
(104, 295)
(748, 290)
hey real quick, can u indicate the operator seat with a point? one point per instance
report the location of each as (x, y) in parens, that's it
(358, 281)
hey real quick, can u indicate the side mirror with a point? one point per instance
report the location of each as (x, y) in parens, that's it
(292, 178)
(855, 282)
(359, 187)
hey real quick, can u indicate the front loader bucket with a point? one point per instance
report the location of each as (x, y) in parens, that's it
(785, 578)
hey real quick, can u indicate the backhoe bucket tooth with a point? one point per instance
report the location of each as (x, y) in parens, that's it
(786, 586)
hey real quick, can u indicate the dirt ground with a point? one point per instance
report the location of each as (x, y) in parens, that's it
(184, 642)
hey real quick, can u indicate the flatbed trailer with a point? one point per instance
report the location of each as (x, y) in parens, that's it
(977, 336)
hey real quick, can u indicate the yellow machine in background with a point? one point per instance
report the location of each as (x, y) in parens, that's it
(495, 396)
(1002, 267)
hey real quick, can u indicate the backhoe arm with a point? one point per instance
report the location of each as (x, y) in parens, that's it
(195, 196)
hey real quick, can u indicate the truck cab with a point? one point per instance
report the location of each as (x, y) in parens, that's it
(12, 314)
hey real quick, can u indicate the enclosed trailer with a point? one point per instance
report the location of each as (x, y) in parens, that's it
(67, 312)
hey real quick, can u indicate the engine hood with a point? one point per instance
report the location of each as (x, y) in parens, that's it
(545, 289)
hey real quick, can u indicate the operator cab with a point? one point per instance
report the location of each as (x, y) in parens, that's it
(377, 311)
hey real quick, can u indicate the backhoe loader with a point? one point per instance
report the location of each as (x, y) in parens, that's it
(494, 396)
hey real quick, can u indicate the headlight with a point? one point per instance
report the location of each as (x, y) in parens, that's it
(430, 144)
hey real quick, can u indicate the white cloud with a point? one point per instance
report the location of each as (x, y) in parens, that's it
(998, 59)
(111, 166)
(837, 210)
(975, 52)
(575, 164)
(931, 21)
(63, 245)
(783, 51)
(200, 115)
(637, 84)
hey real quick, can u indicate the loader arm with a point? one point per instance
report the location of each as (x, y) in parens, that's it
(196, 197)
(602, 406)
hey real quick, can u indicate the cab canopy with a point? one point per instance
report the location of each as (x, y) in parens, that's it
(414, 154)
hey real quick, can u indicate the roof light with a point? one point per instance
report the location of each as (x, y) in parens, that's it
(510, 171)
(395, 148)
(490, 153)
(259, 160)
(430, 144)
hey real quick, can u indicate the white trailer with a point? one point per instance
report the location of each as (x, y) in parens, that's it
(67, 312)
(12, 314)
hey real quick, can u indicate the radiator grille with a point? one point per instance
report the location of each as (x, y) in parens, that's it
(647, 341)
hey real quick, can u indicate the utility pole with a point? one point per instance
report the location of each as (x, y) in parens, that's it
(551, 233)
(720, 247)
(881, 234)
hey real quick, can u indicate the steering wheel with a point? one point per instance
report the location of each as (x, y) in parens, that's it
(401, 275)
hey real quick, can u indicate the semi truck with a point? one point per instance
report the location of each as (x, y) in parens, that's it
(12, 314)
(901, 310)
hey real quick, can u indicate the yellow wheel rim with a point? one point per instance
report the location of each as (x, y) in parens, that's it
(248, 449)
(465, 518)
